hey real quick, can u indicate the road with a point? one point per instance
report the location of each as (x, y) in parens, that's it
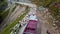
(25, 1)
(17, 14)
(13, 16)
(41, 28)
(43, 25)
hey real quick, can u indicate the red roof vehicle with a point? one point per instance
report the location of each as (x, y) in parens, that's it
(31, 27)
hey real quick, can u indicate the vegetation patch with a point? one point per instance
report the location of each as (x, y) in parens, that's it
(14, 8)
(3, 15)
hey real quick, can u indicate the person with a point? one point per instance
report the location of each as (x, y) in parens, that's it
(29, 15)
(48, 32)
(20, 26)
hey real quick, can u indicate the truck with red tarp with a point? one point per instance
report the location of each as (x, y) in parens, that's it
(31, 26)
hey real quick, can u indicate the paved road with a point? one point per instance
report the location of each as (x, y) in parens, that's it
(25, 1)
(39, 24)
(17, 14)
(41, 28)
(13, 16)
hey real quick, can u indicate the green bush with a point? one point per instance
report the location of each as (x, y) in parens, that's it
(4, 14)
(14, 8)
